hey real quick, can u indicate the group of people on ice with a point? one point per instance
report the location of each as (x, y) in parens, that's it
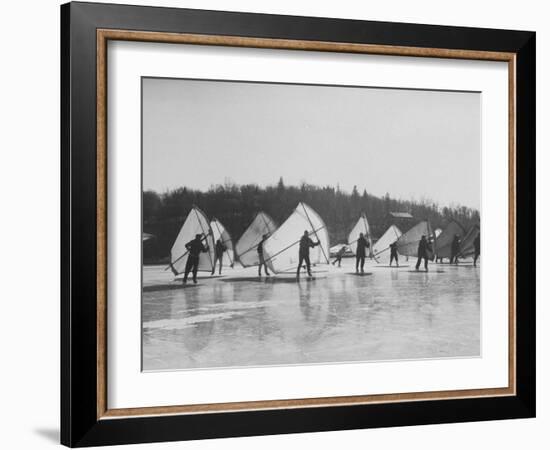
(196, 246)
(282, 248)
(305, 244)
(194, 249)
(360, 253)
(424, 250)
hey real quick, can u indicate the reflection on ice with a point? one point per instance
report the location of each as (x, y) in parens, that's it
(241, 321)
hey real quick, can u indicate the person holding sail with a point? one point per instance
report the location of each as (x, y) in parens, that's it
(339, 255)
(455, 248)
(361, 253)
(260, 250)
(303, 256)
(194, 247)
(423, 248)
(393, 253)
(219, 250)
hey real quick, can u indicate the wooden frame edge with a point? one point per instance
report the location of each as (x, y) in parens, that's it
(512, 200)
(101, 223)
(304, 403)
(103, 35)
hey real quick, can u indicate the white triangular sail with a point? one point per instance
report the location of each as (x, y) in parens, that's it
(381, 248)
(444, 242)
(220, 232)
(195, 223)
(467, 244)
(437, 232)
(362, 226)
(281, 250)
(407, 244)
(246, 248)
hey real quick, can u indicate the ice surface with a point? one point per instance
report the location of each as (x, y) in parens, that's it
(239, 320)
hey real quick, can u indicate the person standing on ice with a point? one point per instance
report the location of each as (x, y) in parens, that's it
(195, 247)
(303, 257)
(393, 253)
(219, 250)
(339, 255)
(423, 247)
(260, 250)
(476, 249)
(361, 253)
(455, 248)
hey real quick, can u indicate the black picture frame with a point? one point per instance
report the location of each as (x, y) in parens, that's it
(80, 425)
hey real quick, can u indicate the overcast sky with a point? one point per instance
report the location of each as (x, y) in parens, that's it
(411, 144)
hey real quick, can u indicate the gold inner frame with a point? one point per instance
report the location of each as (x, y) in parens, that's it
(104, 35)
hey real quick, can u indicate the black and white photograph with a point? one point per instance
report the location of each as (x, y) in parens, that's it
(275, 224)
(293, 224)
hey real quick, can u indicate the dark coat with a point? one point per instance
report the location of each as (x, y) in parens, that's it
(455, 245)
(423, 248)
(260, 248)
(305, 244)
(362, 245)
(220, 248)
(195, 247)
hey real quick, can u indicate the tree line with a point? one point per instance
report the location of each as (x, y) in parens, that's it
(235, 206)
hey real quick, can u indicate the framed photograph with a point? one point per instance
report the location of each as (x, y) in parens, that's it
(276, 224)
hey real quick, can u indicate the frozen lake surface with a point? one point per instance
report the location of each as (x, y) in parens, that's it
(239, 320)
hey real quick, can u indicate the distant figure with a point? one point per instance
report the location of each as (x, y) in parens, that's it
(476, 249)
(455, 248)
(220, 249)
(393, 253)
(260, 250)
(423, 247)
(195, 247)
(339, 255)
(361, 253)
(305, 244)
